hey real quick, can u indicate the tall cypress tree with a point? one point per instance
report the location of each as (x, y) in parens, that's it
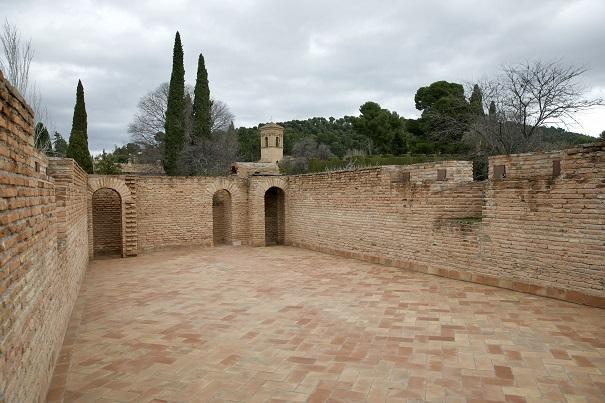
(78, 139)
(174, 138)
(202, 121)
(476, 101)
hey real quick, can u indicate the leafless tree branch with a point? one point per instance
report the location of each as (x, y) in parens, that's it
(527, 97)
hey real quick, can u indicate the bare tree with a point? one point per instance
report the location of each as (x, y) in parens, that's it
(15, 62)
(309, 148)
(525, 98)
(220, 115)
(16, 58)
(150, 117)
(210, 157)
(147, 127)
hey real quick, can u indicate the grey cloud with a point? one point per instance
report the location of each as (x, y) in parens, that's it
(286, 60)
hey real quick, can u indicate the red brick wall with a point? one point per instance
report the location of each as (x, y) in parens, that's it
(107, 222)
(177, 211)
(548, 231)
(539, 234)
(42, 252)
(372, 214)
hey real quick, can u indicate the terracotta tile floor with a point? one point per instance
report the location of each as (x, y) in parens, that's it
(286, 324)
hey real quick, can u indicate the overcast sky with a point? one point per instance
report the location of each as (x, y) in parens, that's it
(282, 60)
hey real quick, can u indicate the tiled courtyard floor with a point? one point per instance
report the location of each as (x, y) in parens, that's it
(286, 324)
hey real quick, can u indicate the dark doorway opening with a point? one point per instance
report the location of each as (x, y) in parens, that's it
(275, 216)
(221, 218)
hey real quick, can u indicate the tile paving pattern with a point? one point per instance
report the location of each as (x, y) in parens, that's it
(286, 324)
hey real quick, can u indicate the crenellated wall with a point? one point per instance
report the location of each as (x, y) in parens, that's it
(545, 230)
(540, 228)
(372, 214)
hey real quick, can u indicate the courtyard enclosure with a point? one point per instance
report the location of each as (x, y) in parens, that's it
(221, 217)
(537, 225)
(106, 222)
(275, 225)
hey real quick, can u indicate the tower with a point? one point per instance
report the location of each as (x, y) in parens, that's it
(271, 143)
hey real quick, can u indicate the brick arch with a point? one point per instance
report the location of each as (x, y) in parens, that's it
(129, 211)
(223, 184)
(112, 183)
(269, 182)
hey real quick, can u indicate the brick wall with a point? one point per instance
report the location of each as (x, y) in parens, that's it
(525, 165)
(370, 214)
(547, 233)
(42, 252)
(107, 222)
(177, 211)
(530, 231)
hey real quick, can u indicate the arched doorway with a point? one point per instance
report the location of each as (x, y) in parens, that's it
(106, 223)
(275, 216)
(221, 218)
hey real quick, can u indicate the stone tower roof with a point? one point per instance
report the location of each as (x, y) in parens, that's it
(271, 126)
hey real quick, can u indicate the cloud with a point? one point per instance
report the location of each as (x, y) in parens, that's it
(292, 60)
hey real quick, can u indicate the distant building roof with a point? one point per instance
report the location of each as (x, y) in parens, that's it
(246, 169)
(271, 125)
(142, 169)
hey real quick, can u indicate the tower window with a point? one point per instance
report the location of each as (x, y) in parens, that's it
(277, 142)
(266, 141)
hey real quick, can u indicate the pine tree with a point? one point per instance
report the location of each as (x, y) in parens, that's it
(42, 138)
(78, 139)
(202, 120)
(174, 138)
(105, 164)
(60, 145)
(476, 102)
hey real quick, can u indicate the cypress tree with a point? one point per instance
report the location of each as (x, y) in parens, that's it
(174, 137)
(78, 139)
(202, 121)
(476, 102)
